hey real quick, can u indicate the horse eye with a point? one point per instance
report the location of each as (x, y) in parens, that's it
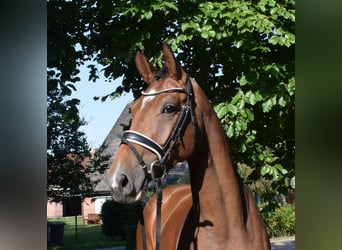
(169, 109)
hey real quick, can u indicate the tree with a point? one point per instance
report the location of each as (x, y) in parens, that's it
(240, 52)
(70, 170)
(67, 149)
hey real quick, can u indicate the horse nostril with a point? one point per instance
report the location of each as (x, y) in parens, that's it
(123, 181)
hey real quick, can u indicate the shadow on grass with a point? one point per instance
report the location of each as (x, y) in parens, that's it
(88, 236)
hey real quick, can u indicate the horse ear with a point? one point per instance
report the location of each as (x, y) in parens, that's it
(145, 68)
(170, 62)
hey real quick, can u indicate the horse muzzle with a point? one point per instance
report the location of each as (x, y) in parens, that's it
(126, 188)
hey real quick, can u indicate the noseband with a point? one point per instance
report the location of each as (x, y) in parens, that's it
(163, 152)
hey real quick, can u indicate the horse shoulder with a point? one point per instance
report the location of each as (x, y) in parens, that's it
(177, 201)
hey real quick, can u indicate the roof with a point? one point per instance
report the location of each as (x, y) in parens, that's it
(110, 146)
(112, 141)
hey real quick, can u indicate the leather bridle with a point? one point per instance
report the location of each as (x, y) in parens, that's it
(131, 137)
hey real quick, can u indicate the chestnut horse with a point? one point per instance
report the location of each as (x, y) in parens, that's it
(173, 121)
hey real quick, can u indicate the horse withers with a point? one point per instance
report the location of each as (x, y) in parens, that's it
(173, 121)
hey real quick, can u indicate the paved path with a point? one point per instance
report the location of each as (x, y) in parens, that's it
(287, 243)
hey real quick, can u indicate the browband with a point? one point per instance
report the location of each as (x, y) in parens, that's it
(170, 90)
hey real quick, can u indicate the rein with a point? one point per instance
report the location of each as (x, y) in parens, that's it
(162, 152)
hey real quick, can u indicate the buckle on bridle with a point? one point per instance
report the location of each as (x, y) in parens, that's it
(157, 169)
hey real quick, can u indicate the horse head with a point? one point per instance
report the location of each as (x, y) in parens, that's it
(162, 128)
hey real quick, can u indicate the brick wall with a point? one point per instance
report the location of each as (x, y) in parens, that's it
(54, 209)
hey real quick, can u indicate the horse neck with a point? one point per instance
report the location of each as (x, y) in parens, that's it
(216, 188)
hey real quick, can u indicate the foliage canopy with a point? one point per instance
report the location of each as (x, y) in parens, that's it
(240, 52)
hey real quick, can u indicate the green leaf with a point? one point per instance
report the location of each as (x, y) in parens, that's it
(243, 81)
(273, 10)
(258, 97)
(114, 95)
(148, 15)
(230, 131)
(222, 112)
(218, 107)
(241, 104)
(262, 8)
(282, 101)
(281, 40)
(233, 109)
(268, 105)
(274, 40)
(291, 86)
(236, 98)
(212, 33)
(240, 24)
(170, 5)
(265, 170)
(282, 170)
(237, 127)
(275, 173)
(252, 98)
(243, 113)
(243, 148)
(250, 115)
(205, 34)
(250, 139)
(243, 124)
(293, 182)
(271, 3)
(190, 25)
(207, 27)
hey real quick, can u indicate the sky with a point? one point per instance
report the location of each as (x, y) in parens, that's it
(100, 116)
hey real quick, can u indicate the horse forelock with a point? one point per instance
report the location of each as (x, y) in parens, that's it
(161, 74)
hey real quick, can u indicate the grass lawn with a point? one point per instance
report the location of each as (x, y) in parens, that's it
(89, 236)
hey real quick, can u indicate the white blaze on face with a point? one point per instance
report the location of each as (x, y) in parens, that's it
(147, 99)
(114, 178)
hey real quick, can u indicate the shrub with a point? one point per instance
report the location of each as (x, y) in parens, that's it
(281, 221)
(117, 217)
